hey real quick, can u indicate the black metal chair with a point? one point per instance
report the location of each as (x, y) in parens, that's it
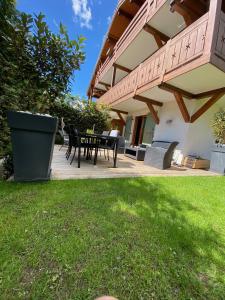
(160, 154)
(65, 137)
(71, 142)
(109, 144)
(88, 143)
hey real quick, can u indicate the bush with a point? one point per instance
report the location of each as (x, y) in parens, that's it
(219, 126)
(83, 117)
(8, 165)
(36, 64)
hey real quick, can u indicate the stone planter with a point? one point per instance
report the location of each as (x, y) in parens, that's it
(217, 163)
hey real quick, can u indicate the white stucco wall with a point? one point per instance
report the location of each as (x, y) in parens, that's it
(194, 138)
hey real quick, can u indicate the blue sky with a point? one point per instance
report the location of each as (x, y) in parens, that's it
(89, 18)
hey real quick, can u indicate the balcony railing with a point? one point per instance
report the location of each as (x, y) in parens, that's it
(145, 13)
(187, 46)
(220, 43)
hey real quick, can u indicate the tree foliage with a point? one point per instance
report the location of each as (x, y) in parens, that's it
(83, 117)
(36, 65)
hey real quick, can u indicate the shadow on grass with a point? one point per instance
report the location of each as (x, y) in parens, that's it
(133, 238)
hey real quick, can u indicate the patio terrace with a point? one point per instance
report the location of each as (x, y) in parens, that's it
(126, 167)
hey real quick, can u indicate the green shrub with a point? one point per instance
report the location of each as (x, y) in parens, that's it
(83, 117)
(219, 126)
(36, 64)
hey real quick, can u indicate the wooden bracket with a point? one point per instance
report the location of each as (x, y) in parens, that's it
(188, 13)
(158, 35)
(121, 118)
(206, 106)
(153, 112)
(120, 111)
(209, 93)
(122, 68)
(170, 88)
(182, 107)
(147, 100)
(106, 85)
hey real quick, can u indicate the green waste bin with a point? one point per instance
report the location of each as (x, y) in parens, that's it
(33, 138)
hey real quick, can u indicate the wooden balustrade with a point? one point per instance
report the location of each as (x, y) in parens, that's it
(146, 11)
(220, 43)
(187, 46)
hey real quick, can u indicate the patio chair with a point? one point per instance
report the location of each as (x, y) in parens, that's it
(109, 144)
(89, 144)
(65, 137)
(160, 154)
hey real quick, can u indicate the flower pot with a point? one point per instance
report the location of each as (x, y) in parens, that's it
(217, 163)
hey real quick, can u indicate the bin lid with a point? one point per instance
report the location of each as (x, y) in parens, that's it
(32, 122)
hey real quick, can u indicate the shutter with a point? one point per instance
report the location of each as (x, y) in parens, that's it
(127, 132)
(148, 130)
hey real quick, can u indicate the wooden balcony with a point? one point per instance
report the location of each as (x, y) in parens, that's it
(145, 13)
(193, 62)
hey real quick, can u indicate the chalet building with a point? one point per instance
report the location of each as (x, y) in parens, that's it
(162, 71)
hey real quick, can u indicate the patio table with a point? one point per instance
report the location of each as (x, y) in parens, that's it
(99, 138)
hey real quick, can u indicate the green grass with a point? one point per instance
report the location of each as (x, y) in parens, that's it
(145, 238)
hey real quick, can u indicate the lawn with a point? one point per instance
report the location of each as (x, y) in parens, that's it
(145, 238)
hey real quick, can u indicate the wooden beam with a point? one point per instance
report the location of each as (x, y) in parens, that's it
(158, 41)
(147, 100)
(209, 93)
(163, 37)
(170, 88)
(99, 90)
(182, 107)
(124, 14)
(188, 14)
(121, 118)
(120, 111)
(153, 112)
(106, 85)
(206, 106)
(112, 38)
(113, 76)
(122, 68)
(136, 2)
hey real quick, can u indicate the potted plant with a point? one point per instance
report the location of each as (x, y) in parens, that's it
(218, 152)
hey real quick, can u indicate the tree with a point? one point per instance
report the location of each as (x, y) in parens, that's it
(37, 66)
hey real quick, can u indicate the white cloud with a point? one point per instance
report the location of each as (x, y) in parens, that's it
(83, 13)
(109, 20)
